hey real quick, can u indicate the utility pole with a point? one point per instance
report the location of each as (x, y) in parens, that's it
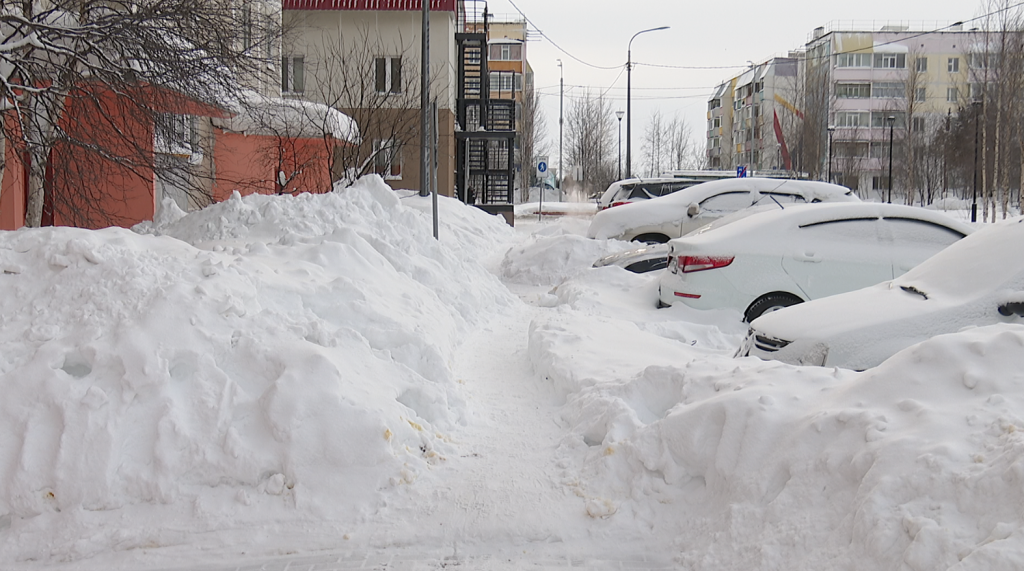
(425, 103)
(561, 95)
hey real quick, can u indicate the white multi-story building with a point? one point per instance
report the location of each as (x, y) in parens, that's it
(742, 113)
(841, 99)
(894, 84)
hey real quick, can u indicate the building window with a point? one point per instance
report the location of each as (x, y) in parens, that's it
(879, 150)
(921, 64)
(880, 118)
(890, 61)
(888, 90)
(293, 74)
(505, 52)
(952, 95)
(853, 60)
(918, 124)
(503, 81)
(851, 119)
(177, 135)
(853, 90)
(953, 65)
(920, 94)
(879, 182)
(388, 74)
(979, 61)
(387, 158)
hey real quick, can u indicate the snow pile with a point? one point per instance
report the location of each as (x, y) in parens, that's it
(264, 361)
(552, 254)
(744, 464)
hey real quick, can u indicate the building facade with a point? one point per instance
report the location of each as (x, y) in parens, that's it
(363, 57)
(834, 106)
(872, 87)
(750, 115)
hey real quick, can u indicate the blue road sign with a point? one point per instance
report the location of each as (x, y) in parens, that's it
(542, 167)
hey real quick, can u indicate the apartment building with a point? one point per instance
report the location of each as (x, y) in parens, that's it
(363, 57)
(749, 116)
(896, 83)
(841, 99)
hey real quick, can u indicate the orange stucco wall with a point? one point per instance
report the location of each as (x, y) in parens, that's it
(12, 190)
(250, 163)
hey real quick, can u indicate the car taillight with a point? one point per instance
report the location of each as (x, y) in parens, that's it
(688, 264)
(618, 204)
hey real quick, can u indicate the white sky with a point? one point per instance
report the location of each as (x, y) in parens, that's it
(702, 34)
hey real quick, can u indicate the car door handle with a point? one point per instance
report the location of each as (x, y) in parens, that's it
(808, 257)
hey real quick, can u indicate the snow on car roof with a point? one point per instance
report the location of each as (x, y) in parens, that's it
(615, 221)
(793, 216)
(990, 259)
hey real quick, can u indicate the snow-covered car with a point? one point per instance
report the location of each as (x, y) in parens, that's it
(677, 214)
(977, 281)
(637, 189)
(649, 258)
(781, 257)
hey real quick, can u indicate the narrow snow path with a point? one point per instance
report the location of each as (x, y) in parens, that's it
(502, 494)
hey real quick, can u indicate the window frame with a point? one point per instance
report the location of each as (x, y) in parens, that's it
(390, 150)
(289, 84)
(384, 74)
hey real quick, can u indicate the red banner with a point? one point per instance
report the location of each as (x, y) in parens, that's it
(399, 5)
(786, 160)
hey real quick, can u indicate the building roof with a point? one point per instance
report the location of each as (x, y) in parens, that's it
(394, 5)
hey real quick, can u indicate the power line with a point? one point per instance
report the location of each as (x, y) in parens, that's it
(545, 36)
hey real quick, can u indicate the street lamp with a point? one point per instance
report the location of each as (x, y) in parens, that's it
(978, 106)
(561, 92)
(891, 119)
(619, 114)
(629, 110)
(831, 129)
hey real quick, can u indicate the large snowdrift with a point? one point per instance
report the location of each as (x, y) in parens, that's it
(266, 360)
(744, 464)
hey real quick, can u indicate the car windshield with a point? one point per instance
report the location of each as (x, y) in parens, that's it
(981, 262)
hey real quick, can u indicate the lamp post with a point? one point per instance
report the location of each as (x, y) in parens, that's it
(561, 93)
(831, 129)
(629, 109)
(619, 114)
(891, 119)
(978, 106)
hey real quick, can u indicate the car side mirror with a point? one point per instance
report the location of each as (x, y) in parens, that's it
(1012, 308)
(693, 209)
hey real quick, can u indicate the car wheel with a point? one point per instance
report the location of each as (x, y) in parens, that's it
(768, 303)
(651, 238)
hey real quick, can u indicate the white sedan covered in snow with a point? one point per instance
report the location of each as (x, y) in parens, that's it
(679, 213)
(777, 258)
(977, 281)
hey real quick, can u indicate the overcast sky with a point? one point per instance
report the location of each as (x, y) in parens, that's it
(723, 35)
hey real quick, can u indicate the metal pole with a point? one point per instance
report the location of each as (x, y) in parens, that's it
(892, 121)
(620, 116)
(425, 103)
(561, 94)
(433, 163)
(974, 202)
(629, 109)
(629, 99)
(830, 131)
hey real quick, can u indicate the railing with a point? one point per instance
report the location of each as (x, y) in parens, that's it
(398, 5)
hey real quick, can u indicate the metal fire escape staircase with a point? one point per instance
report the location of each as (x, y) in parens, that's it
(485, 166)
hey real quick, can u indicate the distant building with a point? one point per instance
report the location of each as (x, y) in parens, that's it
(834, 101)
(743, 112)
(869, 81)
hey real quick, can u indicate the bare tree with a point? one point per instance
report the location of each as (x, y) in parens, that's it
(589, 131)
(532, 127)
(119, 58)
